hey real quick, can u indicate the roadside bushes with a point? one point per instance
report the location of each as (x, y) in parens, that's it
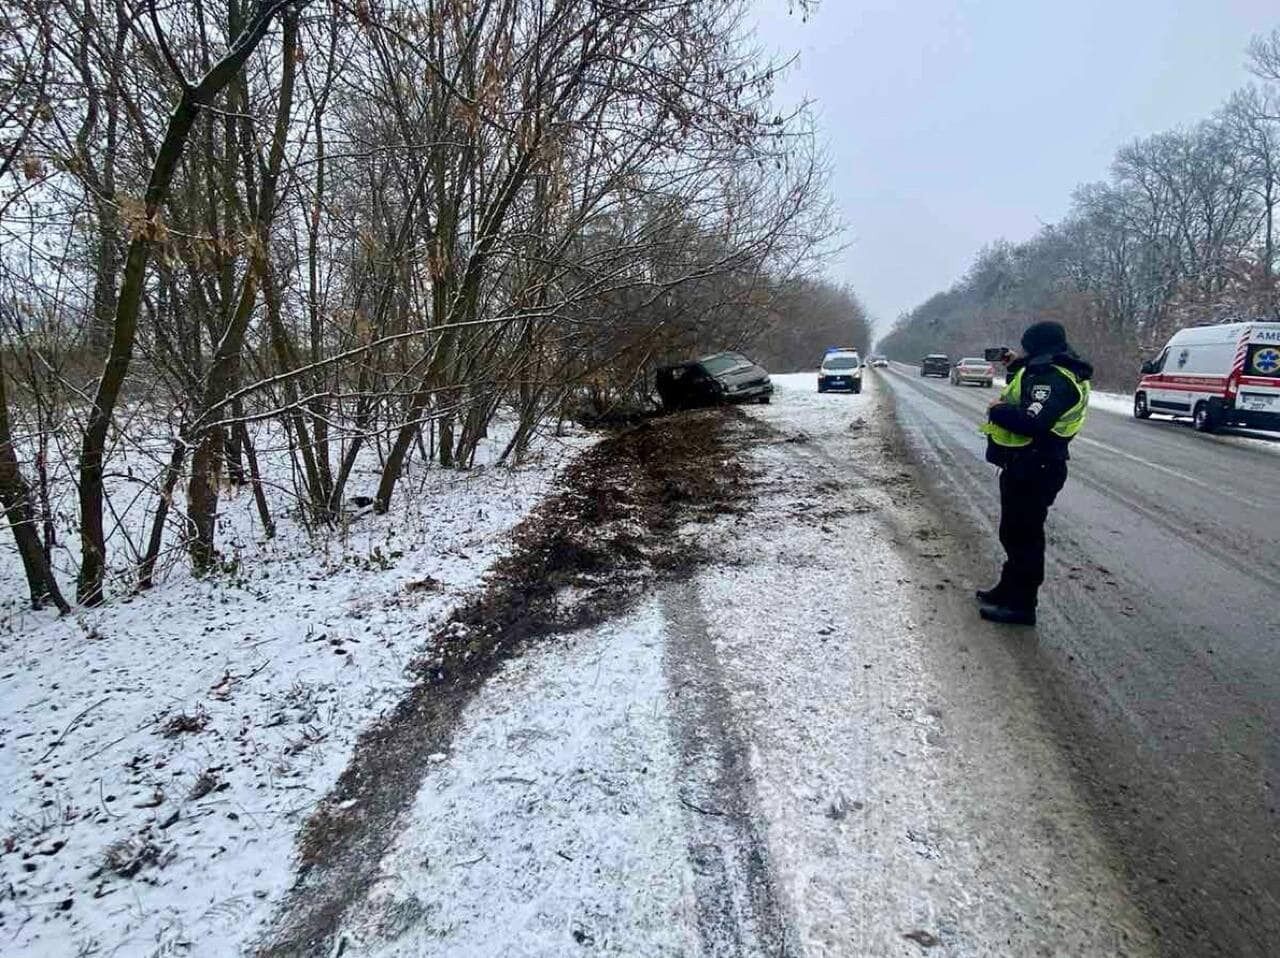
(230, 220)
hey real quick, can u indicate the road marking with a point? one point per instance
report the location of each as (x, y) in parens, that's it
(1216, 490)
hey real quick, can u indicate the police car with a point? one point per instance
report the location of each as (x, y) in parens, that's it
(841, 369)
(1227, 375)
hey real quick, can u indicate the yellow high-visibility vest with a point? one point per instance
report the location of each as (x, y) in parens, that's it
(1068, 424)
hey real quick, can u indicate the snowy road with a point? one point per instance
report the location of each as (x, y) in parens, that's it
(809, 746)
(1157, 659)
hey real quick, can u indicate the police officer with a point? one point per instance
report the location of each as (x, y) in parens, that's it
(1028, 430)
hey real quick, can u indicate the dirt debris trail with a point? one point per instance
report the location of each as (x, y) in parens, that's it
(582, 558)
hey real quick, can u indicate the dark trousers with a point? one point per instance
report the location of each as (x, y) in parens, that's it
(1027, 489)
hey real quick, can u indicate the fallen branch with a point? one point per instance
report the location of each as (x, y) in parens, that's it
(70, 725)
(698, 808)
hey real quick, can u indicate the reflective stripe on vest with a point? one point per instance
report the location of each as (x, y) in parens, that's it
(1068, 424)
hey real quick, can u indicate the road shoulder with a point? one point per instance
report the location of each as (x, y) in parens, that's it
(910, 784)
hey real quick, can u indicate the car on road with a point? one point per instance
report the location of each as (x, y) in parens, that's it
(935, 364)
(720, 377)
(878, 361)
(973, 370)
(1222, 375)
(841, 369)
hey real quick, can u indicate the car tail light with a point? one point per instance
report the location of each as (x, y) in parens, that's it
(1233, 384)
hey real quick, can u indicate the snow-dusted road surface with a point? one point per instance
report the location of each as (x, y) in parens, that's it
(812, 746)
(1157, 657)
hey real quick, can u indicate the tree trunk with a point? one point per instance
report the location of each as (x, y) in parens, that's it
(207, 462)
(124, 328)
(15, 495)
(255, 478)
(146, 569)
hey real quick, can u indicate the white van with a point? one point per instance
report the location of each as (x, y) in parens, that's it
(841, 369)
(1227, 375)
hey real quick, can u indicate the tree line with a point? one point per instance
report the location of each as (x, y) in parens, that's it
(1181, 233)
(330, 232)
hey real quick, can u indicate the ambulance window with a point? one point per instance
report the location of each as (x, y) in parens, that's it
(1160, 360)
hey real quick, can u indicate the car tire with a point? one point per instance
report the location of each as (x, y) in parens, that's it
(1205, 418)
(857, 388)
(764, 400)
(1140, 408)
(821, 388)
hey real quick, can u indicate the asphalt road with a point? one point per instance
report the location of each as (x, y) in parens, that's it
(1157, 657)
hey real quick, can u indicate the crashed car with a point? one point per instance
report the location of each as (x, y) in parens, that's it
(720, 377)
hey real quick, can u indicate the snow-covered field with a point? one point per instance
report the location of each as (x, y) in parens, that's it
(161, 751)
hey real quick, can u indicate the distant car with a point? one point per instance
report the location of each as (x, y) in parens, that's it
(720, 377)
(840, 369)
(878, 361)
(971, 370)
(935, 364)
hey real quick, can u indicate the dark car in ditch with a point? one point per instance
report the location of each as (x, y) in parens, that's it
(720, 377)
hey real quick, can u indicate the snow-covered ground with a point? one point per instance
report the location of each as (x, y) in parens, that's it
(808, 745)
(160, 752)
(800, 749)
(553, 821)
(1119, 403)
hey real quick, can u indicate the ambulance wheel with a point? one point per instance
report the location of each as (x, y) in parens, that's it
(1140, 408)
(1205, 418)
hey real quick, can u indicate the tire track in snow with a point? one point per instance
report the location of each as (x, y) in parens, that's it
(739, 911)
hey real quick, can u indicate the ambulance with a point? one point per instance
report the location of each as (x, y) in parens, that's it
(1227, 375)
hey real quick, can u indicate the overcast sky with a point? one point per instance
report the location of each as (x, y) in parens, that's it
(951, 123)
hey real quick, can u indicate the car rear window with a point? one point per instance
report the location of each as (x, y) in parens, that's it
(970, 361)
(723, 362)
(841, 362)
(1263, 360)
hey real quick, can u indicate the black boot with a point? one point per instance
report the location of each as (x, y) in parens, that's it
(992, 596)
(1008, 614)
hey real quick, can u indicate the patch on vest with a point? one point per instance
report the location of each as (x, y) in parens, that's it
(1035, 409)
(1040, 393)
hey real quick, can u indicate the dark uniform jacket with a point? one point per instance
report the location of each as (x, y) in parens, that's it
(1046, 395)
